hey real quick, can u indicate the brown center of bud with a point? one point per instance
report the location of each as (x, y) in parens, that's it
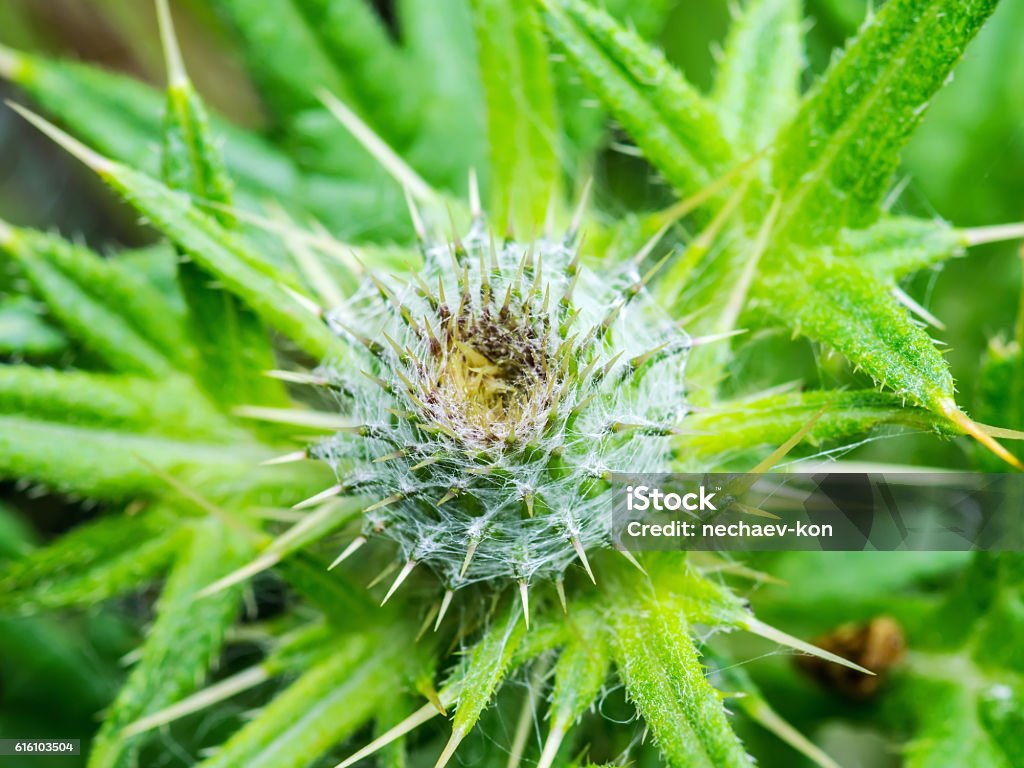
(490, 378)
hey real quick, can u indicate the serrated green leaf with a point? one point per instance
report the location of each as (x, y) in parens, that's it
(849, 309)
(24, 332)
(522, 127)
(121, 117)
(773, 419)
(485, 670)
(183, 642)
(112, 311)
(583, 120)
(233, 346)
(316, 712)
(225, 254)
(110, 464)
(580, 674)
(665, 681)
(670, 121)
(170, 407)
(836, 160)
(356, 41)
(757, 89)
(227, 257)
(289, 77)
(898, 246)
(93, 562)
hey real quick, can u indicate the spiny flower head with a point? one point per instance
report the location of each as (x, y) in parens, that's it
(493, 394)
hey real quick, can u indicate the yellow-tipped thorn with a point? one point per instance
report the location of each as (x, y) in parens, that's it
(385, 502)
(305, 302)
(524, 596)
(582, 555)
(560, 589)
(449, 749)
(629, 556)
(972, 237)
(414, 216)
(581, 209)
(427, 621)
(287, 458)
(297, 377)
(452, 493)
(470, 551)
(357, 542)
(699, 341)
(176, 75)
(1002, 432)
(958, 417)
(388, 570)
(94, 160)
(768, 632)
(528, 498)
(402, 576)
(296, 417)
(419, 717)
(384, 154)
(260, 564)
(907, 301)
(426, 462)
(551, 744)
(445, 602)
(475, 209)
(317, 498)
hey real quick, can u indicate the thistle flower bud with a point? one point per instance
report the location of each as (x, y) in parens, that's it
(499, 389)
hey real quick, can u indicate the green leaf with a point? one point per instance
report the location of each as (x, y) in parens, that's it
(183, 642)
(835, 162)
(283, 55)
(522, 128)
(316, 712)
(848, 308)
(24, 332)
(171, 406)
(342, 602)
(112, 311)
(665, 681)
(356, 41)
(228, 256)
(121, 117)
(451, 139)
(897, 246)
(672, 123)
(92, 563)
(771, 420)
(757, 88)
(233, 345)
(484, 673)
(1001, 390)
(961, 689)
(111, 464)
(580, 675)
(584, 122)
